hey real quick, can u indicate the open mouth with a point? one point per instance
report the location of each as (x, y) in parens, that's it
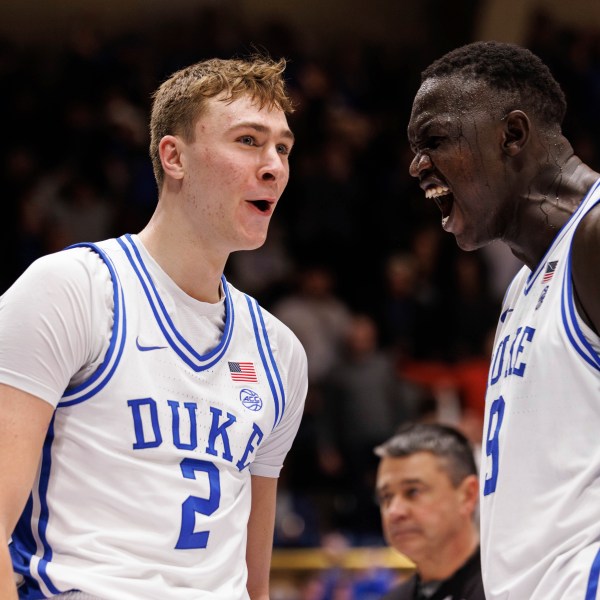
(262, 205)
(443, 198)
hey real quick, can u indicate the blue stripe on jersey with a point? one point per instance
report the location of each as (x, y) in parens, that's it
(24, 544)
(44, 511)
(252, 306)
(22, 548)
(592, 587)
(117, 341)
(197, 362)
(272, 359)
(571, 324)
(573, 220)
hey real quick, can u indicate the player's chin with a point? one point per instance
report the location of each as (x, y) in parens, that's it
(254, 239)
(464, 244)
(469, 240)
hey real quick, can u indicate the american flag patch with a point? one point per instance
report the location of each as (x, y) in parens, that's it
(242, 371)
(550, 268)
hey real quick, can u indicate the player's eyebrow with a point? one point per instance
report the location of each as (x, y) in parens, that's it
(284, 133)
(420, 130)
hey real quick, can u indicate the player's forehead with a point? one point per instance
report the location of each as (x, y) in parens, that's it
(449, 101)
(226, 113)
(430, 106)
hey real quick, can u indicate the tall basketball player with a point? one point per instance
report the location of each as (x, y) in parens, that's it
(489, 149)
(146, 405)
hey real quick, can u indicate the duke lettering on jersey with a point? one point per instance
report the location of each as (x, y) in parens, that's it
(513, 362)
(149, 434)
(509, 360)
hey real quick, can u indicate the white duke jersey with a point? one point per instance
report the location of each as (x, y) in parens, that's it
(143, 491)
(540, 474)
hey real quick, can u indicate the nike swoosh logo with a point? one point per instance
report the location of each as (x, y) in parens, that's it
(142, 348)
(505, 314)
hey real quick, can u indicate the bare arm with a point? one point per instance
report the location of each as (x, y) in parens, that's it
(261, 526)
(24, 421)
(586, 268)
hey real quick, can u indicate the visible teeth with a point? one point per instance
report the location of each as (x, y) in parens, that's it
(437, 191)
(444, 221)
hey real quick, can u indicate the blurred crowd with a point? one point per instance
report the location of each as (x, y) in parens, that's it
(395, 319)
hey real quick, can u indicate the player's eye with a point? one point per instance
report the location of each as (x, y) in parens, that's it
(283, 149)
(433, 142)
(248, 140)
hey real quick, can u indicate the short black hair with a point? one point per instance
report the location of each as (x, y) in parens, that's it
(509, 68)
(443, 441)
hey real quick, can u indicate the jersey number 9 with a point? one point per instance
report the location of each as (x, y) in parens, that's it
(492, 445)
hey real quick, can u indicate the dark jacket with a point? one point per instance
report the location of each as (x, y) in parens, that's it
(465, 584)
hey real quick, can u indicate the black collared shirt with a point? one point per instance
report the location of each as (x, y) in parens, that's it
(465, 584)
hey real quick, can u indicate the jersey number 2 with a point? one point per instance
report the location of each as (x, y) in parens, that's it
(188, 537)
(492, 445)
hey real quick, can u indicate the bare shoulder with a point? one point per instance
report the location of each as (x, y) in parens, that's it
(586, 267)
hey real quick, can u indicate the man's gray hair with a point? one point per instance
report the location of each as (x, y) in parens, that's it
(442, 441)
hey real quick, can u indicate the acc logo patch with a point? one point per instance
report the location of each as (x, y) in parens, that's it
(541, 298)
(251, 400)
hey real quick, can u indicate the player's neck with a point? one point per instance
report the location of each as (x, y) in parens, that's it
(193, 268)
(548, 202)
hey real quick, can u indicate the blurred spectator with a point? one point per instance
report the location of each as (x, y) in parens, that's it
(428, 492)
(364, 402)
(431, 336)
(323, 212)
(79, 213)
(400, 306)
(472, 310)
(319, 318)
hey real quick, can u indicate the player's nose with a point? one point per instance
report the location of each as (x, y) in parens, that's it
(421, 162)
(273, 165)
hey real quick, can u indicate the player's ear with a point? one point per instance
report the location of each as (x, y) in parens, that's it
(169, 150)
(515, 133)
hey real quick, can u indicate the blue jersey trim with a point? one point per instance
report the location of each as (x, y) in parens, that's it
(259, 342)
(44, 510)
(272, 359)
(113, 355)
(592, 587)
(571, 324)
(196, 361)
(573, 220)
(23, 546)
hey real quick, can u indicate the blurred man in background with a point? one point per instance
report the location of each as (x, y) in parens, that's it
(427, 489)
